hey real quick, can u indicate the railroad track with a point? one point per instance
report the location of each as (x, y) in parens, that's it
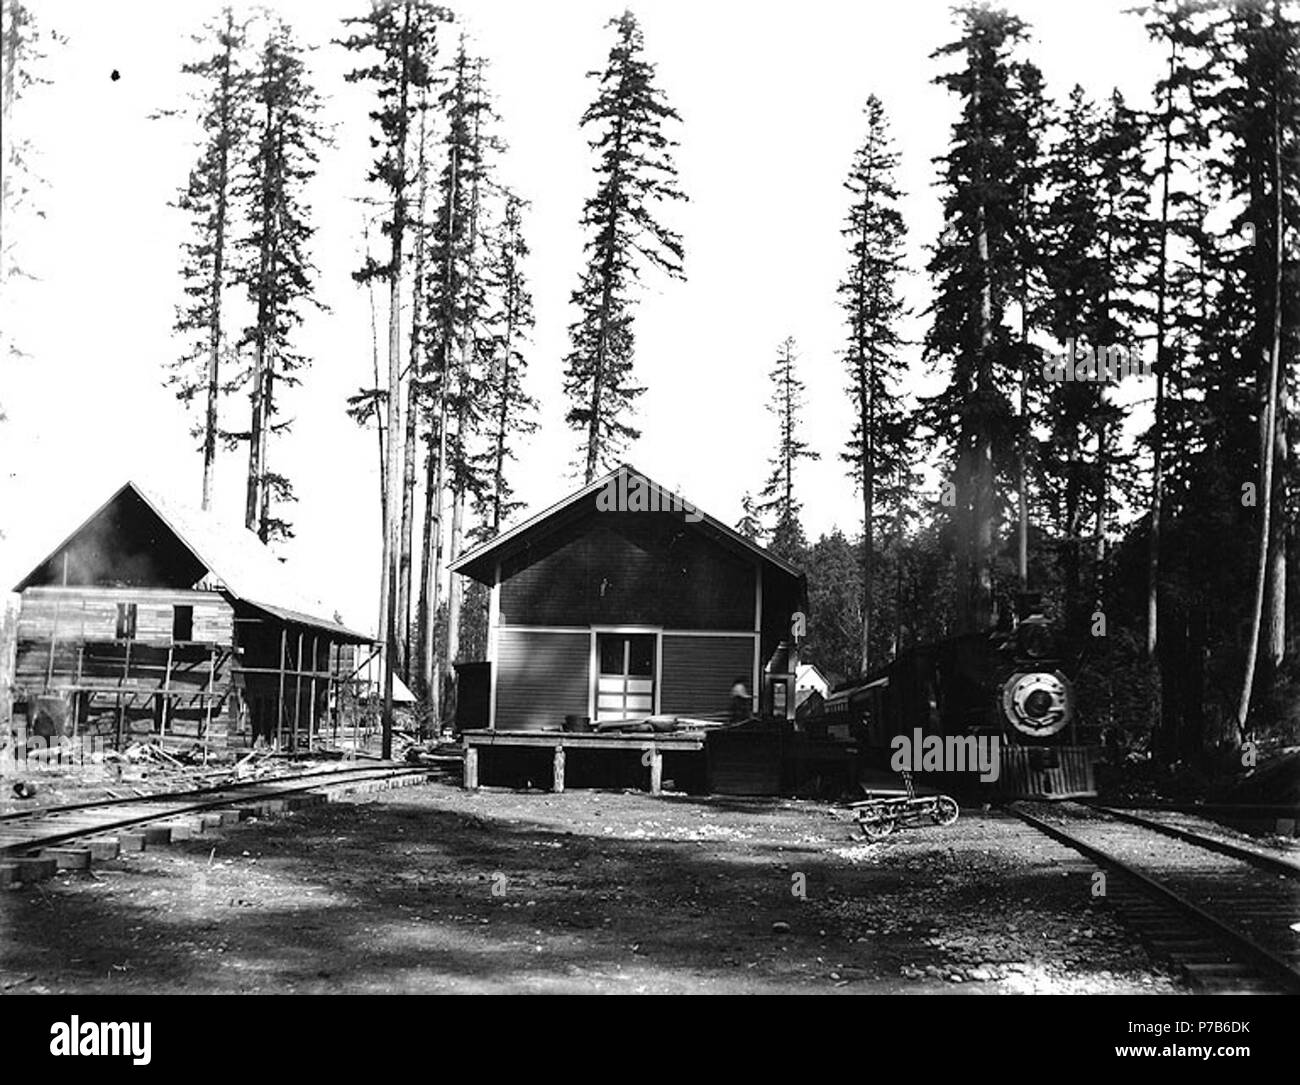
(35, 843)
(1223, 913)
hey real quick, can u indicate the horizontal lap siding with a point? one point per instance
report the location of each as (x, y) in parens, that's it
(698, 673)
(541, 678)
(90, 614)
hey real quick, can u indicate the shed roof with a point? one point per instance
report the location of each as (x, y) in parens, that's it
(235, 559)
(481, 561)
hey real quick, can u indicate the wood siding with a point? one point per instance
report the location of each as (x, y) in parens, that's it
(9, 606)
(541, 678)
(90, 614)
(698, 673)
(628, 569)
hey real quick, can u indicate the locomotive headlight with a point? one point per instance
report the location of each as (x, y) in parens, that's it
(1039, 703)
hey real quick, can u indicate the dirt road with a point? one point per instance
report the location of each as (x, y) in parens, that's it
(438, 889)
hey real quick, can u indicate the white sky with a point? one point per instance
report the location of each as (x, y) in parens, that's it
(771, 98)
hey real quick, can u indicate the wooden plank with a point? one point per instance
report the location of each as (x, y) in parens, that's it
(297, 694)
(279, 712)
(689, 740)
(311, 713)
(9, 609)
(167, 686)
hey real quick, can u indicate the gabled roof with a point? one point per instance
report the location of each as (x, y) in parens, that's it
(235, 559)
(479, 562)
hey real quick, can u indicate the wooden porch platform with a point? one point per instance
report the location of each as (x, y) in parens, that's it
(651, 745)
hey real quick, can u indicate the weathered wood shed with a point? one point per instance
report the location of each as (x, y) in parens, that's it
(624, 600)
(152, 618)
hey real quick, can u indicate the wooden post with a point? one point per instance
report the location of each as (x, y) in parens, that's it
(336, 660)
(557, 782)
(297, 694)
(471, 768)
(656, 771)
(279, 714)
(76, 694)
(311, 709)
(126, 671)
(54, 629)
(207, 701)
(54, 640)
(167, 688)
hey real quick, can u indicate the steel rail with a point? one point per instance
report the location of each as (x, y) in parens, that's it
(1264, 960)
(268, 791)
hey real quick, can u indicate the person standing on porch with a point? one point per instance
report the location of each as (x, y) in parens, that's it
(741, 704)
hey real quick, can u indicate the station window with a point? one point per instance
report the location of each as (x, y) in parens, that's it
(182, 623)
(126, 621)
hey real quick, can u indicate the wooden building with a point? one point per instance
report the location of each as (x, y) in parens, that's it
(622, 602)
(153, 619)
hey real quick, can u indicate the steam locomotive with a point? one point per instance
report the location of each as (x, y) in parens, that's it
(1007, 689)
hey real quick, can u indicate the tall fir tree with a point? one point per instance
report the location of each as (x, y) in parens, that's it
(223, 107)
(416, 341)
(635, 175)
(1031, 120)
(274, 264)
(401, 37)
(509, 407)
(467, 479)
(873, 308)
(975, 270)
(1259, 104)
(779, 495)
(455, 300)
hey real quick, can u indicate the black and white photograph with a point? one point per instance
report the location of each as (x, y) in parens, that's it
(544, 497)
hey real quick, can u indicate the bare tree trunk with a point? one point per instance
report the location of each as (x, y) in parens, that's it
(983, 510)
(218, 271)
(468, 358)
(455, 595)
(412, 420)
(387, 600)
(374, 361)
(252, 490)
(1274, 632)
(1158, 432)
(432, 662)
(1269, 432)
(1022, 467)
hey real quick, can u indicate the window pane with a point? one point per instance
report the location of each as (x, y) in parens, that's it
(642, 660)
(126, 621)
(611, 654)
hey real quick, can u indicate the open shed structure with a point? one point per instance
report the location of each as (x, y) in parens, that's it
(150, 618)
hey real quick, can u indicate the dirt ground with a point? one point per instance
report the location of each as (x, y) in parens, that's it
(437, 889)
